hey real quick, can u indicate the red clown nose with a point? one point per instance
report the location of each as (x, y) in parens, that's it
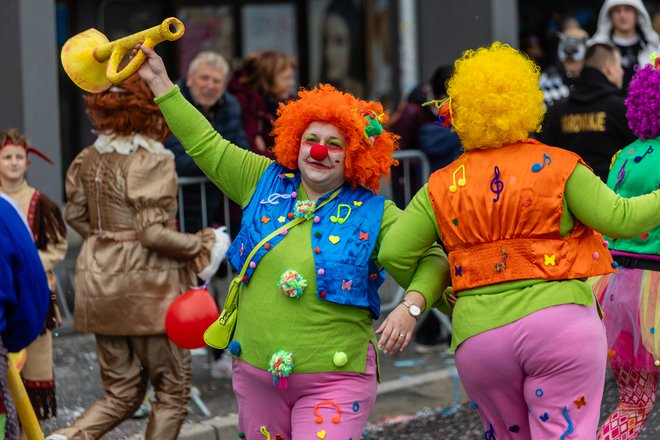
(318, 152)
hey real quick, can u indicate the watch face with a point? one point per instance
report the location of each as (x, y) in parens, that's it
(415, 310)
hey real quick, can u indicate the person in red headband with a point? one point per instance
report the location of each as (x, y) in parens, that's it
(49, 231)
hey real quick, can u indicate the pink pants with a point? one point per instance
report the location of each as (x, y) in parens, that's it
(311, 403)
(540, 377)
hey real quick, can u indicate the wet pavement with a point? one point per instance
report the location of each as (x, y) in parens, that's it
(410, 383)
(414, 402)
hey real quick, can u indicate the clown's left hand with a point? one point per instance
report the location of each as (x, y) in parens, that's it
(397, 329)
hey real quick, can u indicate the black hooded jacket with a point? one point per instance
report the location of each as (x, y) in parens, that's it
(590, 122)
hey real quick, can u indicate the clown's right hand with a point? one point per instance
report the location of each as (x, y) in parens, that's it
(153, 71)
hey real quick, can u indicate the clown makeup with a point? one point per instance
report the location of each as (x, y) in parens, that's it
(13, 165)
(321, 159)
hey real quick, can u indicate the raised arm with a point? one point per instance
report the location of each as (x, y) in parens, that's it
(234, 170)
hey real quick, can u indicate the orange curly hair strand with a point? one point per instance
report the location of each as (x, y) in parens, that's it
(366, 162)
(131, 110)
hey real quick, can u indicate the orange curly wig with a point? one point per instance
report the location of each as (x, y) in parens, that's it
(129, 111)
(366, 163)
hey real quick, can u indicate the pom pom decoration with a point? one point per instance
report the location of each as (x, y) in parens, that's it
(292, 284)
(340, 359)
(304, 208)
(280, 366)
(234, 348)
(189, 316)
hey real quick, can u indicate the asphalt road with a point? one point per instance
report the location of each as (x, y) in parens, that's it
(433, 410)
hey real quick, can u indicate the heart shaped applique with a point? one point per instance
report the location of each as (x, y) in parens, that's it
(334, 239)
(320, 434)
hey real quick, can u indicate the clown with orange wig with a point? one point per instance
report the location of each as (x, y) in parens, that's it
(312, 226)
(518, 219)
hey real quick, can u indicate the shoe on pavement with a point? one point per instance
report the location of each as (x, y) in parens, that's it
(221, 368)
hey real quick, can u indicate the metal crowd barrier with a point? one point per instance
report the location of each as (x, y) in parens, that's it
(413, 171)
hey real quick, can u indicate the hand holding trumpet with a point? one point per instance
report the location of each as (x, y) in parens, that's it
(153, 70)
(93, 62)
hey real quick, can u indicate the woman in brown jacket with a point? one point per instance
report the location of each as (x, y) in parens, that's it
(122, 198)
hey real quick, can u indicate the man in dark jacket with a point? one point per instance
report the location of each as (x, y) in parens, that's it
(592, 120)
(205, 87)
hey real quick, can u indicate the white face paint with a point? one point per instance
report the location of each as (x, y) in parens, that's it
(321, 176)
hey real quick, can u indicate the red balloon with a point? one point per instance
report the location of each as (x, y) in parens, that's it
(189, 316)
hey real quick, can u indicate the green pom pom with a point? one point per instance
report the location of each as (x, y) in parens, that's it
(340, 359)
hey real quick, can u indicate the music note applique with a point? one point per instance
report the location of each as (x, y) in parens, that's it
(263, 431)
(620, 175)
(496, 185)
(569, 430)
(490, 434)
(539, 166)
(499, 267)
(338, 218)
(461, 180)
(639, 158)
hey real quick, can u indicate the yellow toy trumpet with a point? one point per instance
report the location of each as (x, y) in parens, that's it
(92, 61)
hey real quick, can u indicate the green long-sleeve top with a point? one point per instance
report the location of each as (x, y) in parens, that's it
(268, 321)
(484, 308)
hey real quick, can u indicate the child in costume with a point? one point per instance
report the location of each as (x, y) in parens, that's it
(49, 231)
(305, 360)
(122, 199)
(517, 218)
(24, 298)
(629, 299)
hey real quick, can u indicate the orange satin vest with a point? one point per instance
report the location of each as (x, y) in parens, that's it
(499, 212)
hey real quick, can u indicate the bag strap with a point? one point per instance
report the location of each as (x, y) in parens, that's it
(231, 302)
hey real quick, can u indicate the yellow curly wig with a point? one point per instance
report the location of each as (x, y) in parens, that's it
(366, 163)
(495, 97)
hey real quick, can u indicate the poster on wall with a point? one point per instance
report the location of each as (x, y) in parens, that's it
(350, 47)
(269, 26)
(337, 45)
(207, 28)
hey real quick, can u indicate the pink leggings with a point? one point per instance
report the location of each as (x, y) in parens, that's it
(540, 377)
(313, 406)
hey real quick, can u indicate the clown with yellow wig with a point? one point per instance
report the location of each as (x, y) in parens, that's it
(305, 363)
(518, 219)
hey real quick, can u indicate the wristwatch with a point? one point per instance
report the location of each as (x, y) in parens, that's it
(413, 309)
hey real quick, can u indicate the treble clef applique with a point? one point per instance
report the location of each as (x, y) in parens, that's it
(496, 185)
(273, 199)
(490, 434)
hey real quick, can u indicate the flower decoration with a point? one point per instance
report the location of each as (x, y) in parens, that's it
(304, 208)
(374, 125)
(281, 366)
(292, 284)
